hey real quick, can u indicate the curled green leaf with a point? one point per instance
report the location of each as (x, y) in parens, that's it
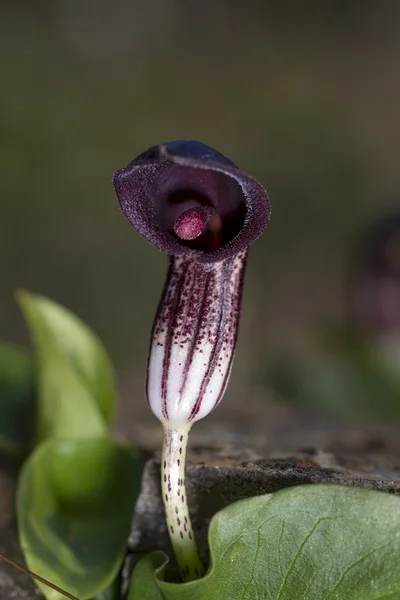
(143, 585)
(74, 375)
(302, 543)
(75, 501)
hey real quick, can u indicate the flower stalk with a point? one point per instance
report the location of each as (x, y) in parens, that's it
(175, 502)
(194, 204)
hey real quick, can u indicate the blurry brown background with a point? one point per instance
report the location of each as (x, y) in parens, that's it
(304, 96)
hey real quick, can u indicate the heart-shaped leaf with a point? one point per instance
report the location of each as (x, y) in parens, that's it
(17, 400)
(75, 378)
(315, 542)
(75, 501)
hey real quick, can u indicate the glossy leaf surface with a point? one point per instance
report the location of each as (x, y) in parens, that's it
(314, 542)
(74, 375)
(75, 502)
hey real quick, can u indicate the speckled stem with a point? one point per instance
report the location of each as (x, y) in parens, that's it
(175, 501)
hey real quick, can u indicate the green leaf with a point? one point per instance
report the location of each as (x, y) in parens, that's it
(302, 543)
(17, 400)
(75, 377)
(143, 585)
(112, 592)
(75, 501)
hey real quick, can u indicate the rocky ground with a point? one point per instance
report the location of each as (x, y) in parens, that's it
(250, 445)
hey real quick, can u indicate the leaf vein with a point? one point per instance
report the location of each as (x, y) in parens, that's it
(355, 564)
(298, 553)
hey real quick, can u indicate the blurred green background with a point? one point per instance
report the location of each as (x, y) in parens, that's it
(304, 96)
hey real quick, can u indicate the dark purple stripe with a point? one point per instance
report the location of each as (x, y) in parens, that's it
(199, 322)
(223, 313)
(239, 295)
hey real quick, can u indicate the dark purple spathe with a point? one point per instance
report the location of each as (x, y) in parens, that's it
(155, 188)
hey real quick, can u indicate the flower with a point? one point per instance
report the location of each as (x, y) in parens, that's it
(193, 203)
(197, 206)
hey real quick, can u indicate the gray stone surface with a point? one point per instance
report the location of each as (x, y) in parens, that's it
(14, 585)
(216, 478)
